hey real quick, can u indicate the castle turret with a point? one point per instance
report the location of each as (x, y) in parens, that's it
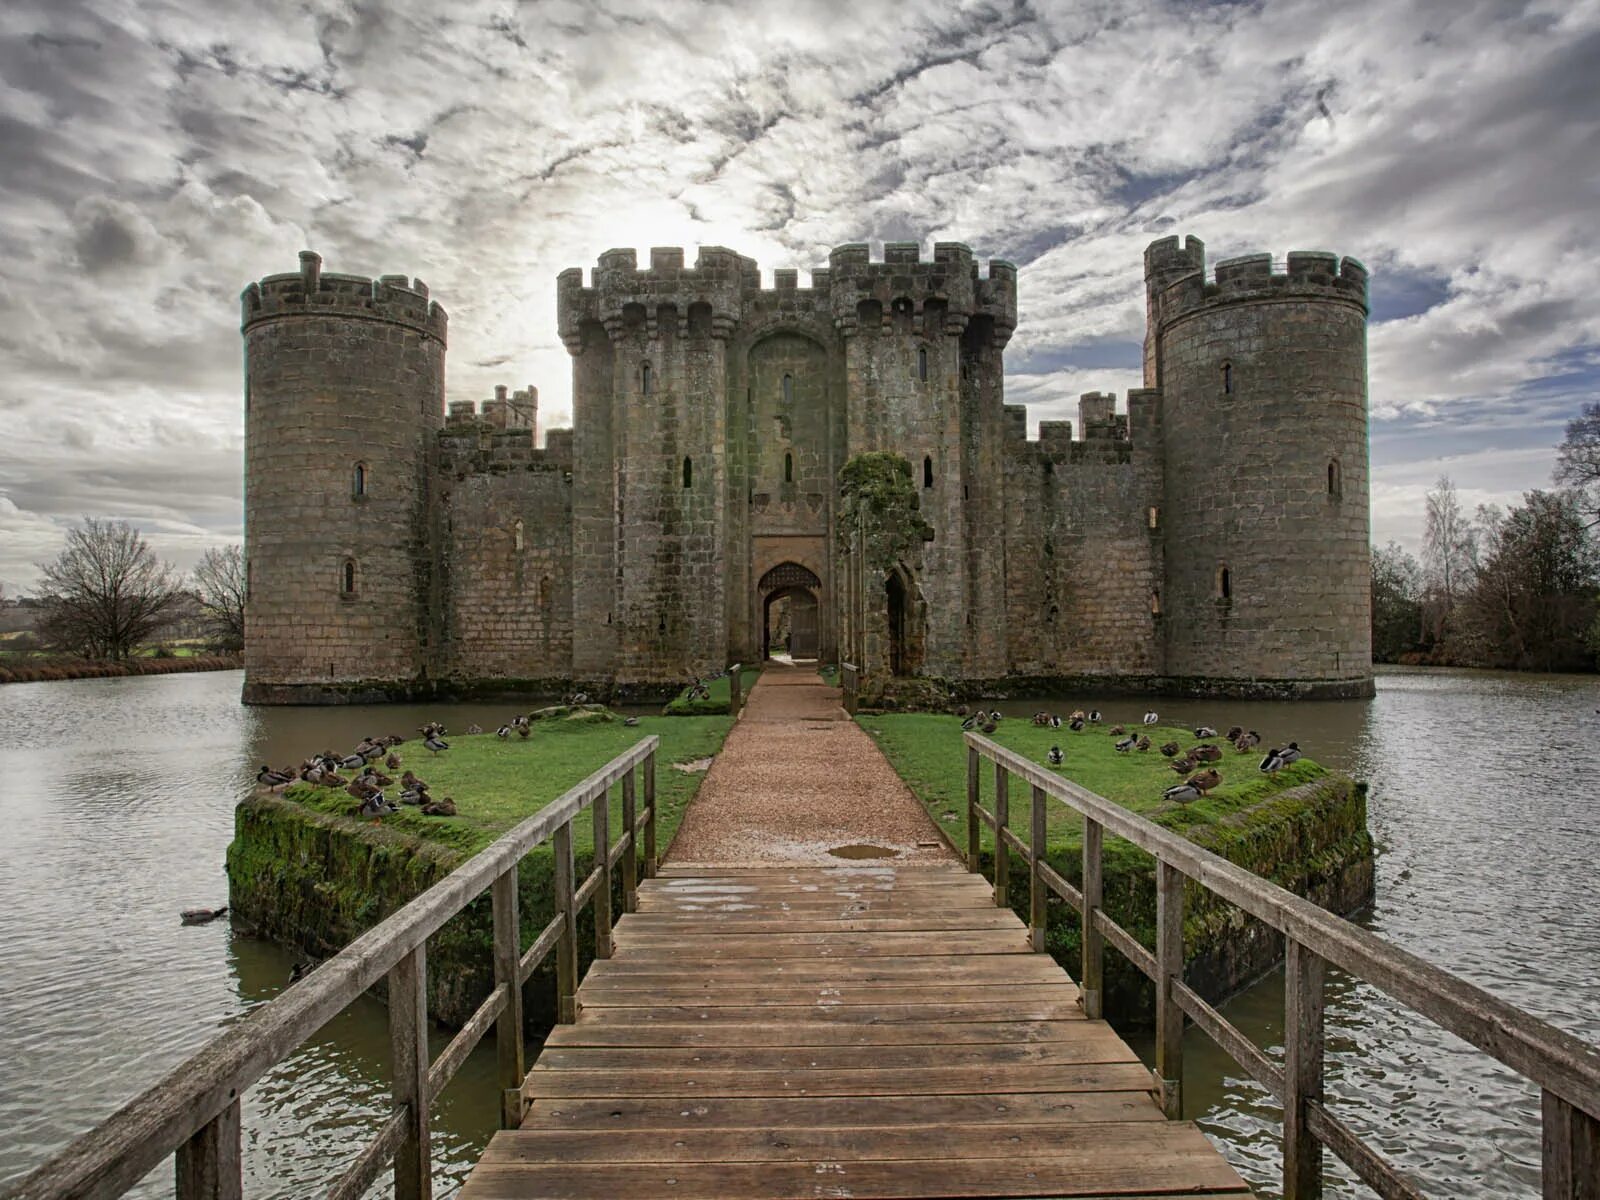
(1265, 516)
(344, 390)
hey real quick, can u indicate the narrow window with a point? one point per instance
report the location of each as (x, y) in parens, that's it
(927, 471)
(1227, 379)
(922, 363)
(347, 578)
(1224, 583)
(644, 379)
(1335, 479)
(544, 592)
(516, 535)
(788, 389)
(1155, 604)
(1153, 517)
(688, 473)
(1054, 612)
(661, 625)
(358, 480)
(788, 468)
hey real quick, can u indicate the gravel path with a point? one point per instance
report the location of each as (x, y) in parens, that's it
(796, 778)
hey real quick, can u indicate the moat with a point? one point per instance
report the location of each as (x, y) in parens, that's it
(119, 796)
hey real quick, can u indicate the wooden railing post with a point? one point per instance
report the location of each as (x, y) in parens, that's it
(1571, 1151)
(735, 690)
(1036, 851)
(1002, 814)
(974, 844)
(630, 860)
(507, 974)
(567, 946)
(408, 1041)
(1303, 973)
(1169, 967)
(1091, 979)
(650, 863)
(602, 863)
(208, 1164)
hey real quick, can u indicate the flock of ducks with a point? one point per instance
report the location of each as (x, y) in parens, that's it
(1196, 783)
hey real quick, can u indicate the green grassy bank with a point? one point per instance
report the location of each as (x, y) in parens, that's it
(305, 870)
(721, 696)
(1304, 828)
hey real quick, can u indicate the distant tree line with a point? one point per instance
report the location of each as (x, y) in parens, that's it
(1516, 588)
(107, 596)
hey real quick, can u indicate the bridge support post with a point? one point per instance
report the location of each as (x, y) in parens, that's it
(567, 944)
(507, 974)
(1571, 1151)
(1092, 976)
(1002, 857)
(408, 1041)
(1037, 909)
(602, 863)
(208, 1164)
(1303, 974)
(974, 843)
(1169, 968)
(630, 860)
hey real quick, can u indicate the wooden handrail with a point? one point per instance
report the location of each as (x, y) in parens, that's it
(194, 1110)
(1565, 1068)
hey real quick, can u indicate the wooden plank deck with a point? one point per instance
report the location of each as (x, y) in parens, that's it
(853, 1031)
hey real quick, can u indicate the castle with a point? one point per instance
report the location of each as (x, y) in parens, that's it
(1214, 537)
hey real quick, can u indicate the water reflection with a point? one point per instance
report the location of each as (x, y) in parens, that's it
(116, 807)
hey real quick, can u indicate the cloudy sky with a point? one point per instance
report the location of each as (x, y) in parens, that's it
(155, 156)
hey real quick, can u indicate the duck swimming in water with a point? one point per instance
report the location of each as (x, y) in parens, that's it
(1055, 756)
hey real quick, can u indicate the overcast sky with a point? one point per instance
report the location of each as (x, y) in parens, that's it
(156, 156)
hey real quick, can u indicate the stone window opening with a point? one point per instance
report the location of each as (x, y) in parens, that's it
(1155, 603)
(788, 389)
(1224, 584)
(927, 470)
(1054, 612)
(1152, 517)
(347, 578)
(516, 535)
(688, 473)
(1335, 479)
(1227, 379)
(661, 625)
(788, 468)
(544, 591)
(358, 480)
(644, 379)
(922, 363)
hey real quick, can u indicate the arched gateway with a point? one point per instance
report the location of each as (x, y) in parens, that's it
(790, 611)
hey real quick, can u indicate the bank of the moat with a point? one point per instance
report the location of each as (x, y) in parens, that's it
(303, 870)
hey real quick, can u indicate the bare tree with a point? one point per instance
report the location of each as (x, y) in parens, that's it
(1449, 549)
(219, 584)
(1578, 460)
(106, 593)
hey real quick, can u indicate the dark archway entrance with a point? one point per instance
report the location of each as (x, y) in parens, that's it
(899, 603)
(790, 611)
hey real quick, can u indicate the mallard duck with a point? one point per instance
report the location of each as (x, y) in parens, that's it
(1207, 753)
(351, 761)
(300, 970)
(1076, 724)
(414, 796)
(1117, 730)
(1183, 765)
(392, 762)
(199, 916)
(474, 728)
(1233, 732)
(1272, 761)
(971, 723)
(379, 778)
(1055, 721)
(1150, 718)
(376, 805)
(1290, 753)
(996, 716)
(1125, 744)
(987, 728)
(1182, 793)
(1202, 732)
(440, 808)
(1170, 749)
(1094, 716)
(503, 732)
(1041, 719)
(1077, 714)
(630, 722)
(267, 777)
(1142, 744)
(524, 732)
(435, 743)
(361, 789)
(1247, 742)
(1205, 781)
(1055, 756)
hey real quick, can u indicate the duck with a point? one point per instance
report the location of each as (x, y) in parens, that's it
(392, 762)
(1117, 730)
(630, 722)
(1077, 714)
(361, 789)
(366, 745)
(1202, 732)
(376, 805)
(1055, 720)
(435, 743)
(962, 710)
(440, 808)
(1150, 718)
(1246, 742)
(1233, 732)
(379, 778)
(503, 732)
(351, 761)
(414, 796)
(267, 777)
(578, 698)
(1041, 719)
(996, 716)
(987, 728)
(301, 969)
(1182, 793)
(1094, 716)
(1055, 756)
(518, 721)
(1183, 765)
(1206, 753)
(971, 722)
(1142, 744)
(1076, 724)
(474, 728)
(200, 916)
(1272, 761)
(1205, 781)
(1170, 749)
(1126, 744)
(1290, 753)
(524, 732)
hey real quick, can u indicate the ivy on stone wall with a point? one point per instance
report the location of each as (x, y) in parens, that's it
(879, 501)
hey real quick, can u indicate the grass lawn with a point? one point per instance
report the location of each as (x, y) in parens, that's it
(681, 706)
(497, 783)
(929, 753)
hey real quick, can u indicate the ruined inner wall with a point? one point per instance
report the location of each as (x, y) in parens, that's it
(1266, 519)
(506, 561)
(340, 372)
(1082, 559)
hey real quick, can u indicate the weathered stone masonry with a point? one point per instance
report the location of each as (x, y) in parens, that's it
(1213, 536)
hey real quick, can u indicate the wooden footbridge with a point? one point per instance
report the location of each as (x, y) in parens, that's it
(856, 1031)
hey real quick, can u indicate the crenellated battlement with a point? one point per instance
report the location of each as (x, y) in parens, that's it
(1178, 284)
(902, 280)
(1105, 435)
(313, 292)
(508, 410)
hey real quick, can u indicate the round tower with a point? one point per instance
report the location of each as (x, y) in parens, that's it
(344, 390)
(1263, 377)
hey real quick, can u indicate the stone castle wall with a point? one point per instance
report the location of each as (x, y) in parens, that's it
(711, 418)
